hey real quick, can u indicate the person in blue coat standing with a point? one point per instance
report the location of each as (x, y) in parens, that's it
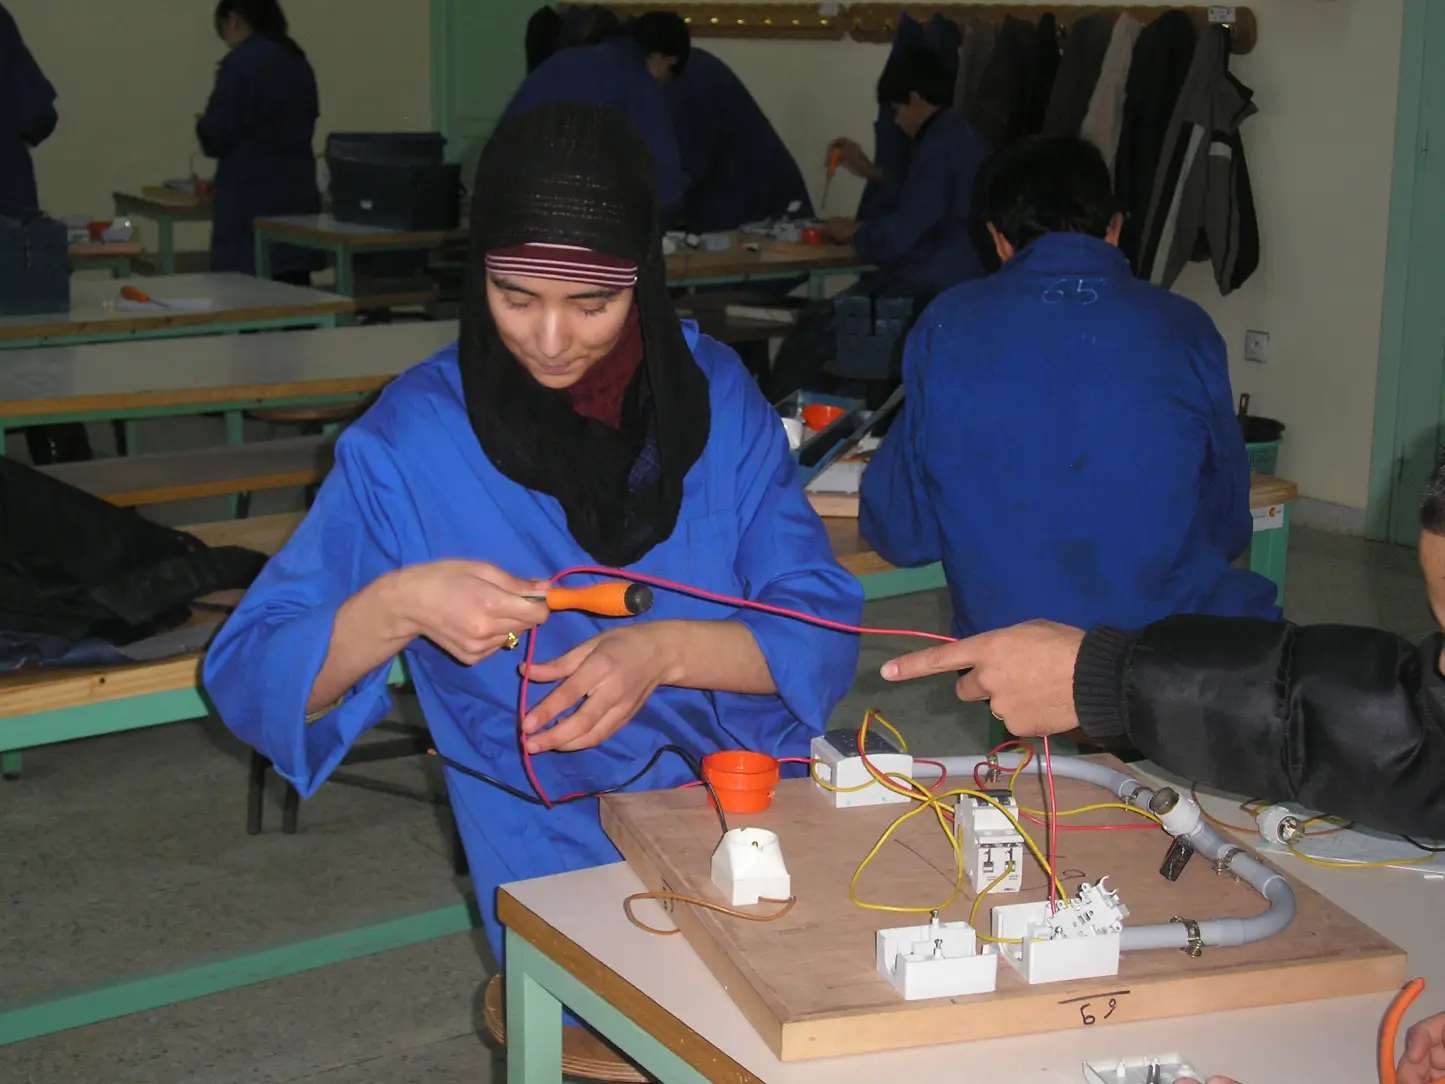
(27, 117)
(577, 422)
(738, 168)
(1068, 446)
(259, 124)
(624, 71)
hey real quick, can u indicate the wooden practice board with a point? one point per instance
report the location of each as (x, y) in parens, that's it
(808, 982)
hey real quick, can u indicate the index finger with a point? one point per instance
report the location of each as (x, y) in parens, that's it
(959, 655)
(505, 580)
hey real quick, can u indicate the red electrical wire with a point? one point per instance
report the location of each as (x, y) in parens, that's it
(696, 592)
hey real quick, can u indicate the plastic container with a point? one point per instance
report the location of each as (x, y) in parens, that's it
(744, 781)
(1262, 438)
(818, 416)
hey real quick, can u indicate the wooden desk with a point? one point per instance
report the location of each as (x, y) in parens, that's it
(768, 262)
(114, 256)
(237, 303)
(568, 943)
(227, 373)
(165, 207)
(342, 240)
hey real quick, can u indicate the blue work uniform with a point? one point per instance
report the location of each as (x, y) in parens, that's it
(1068, 449)
(27, 117)
(612, 73)
(928, 241)
(738, 168)
(411, 484)
(258, 125)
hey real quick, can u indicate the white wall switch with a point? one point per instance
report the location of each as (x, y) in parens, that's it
(1256, 346)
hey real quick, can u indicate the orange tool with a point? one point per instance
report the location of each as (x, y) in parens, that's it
(602, 599)
(130, 293)
(833, 157)
(1391, 1027)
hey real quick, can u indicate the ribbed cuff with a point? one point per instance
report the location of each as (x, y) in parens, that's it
(1099, 681)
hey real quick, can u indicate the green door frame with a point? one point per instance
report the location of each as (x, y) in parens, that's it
(1411, 374)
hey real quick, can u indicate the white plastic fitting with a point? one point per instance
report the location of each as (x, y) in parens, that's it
(990, 842)
(941, 959)
(837, 764)
(748, 866)
(1080, 940)
(1171, 1068)
(1179, 814)
(1278, 825)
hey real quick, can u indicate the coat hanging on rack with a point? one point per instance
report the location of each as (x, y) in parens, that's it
(1105, 116)
(1082, 60)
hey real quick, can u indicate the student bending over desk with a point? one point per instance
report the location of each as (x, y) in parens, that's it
(576, 423)
(1068, 447)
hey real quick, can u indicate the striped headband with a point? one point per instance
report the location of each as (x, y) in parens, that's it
(565, 263)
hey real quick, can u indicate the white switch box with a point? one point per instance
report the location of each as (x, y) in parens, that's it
(838, 765)
(748, 866)
(941, 959)
(1256, 346)
(1136, 1070)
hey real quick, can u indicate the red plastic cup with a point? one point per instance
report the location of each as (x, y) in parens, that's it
(744, 781)
(818, 416)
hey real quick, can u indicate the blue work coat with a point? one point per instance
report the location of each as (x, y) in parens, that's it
(1068, 449)
(27, 117)
(929, 240)
(738, 168)
(411, 484)
(258, 125)
(613, 73)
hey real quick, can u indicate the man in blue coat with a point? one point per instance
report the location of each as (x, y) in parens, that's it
(27, 117)
(924, 237)
(1068, 446)
(738, 168)
(626, 72)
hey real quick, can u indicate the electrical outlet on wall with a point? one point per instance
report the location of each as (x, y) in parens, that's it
(1256, 346)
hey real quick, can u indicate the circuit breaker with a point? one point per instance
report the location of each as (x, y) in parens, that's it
(993, 850)
(839, 771)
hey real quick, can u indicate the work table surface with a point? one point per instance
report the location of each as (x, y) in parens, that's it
(233, 299)
(168, 372)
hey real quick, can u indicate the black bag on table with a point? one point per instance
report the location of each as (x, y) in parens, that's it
(75, 568)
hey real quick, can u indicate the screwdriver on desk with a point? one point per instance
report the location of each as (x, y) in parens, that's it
(833, 158)
(140, 297)
(602, 599)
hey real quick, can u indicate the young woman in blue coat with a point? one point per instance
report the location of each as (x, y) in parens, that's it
(259, 125)
(577, 422)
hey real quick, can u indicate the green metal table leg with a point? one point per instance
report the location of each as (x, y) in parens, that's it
(236, 434)
(1269, 553)
(262, 242)
(345, 270)
(10, 765)
(815, 285)
(535, 986)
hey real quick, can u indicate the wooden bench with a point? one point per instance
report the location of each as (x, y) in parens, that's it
(205, 472)
(186, 263)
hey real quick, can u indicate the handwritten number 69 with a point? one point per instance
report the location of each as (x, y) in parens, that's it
(1089, 1018)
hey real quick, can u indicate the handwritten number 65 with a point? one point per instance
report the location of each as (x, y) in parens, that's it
(1084, 289)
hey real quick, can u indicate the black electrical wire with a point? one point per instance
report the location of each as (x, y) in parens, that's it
(677, 750)
(1423, 847)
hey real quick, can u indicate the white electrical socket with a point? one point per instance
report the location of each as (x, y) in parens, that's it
(1256, 346)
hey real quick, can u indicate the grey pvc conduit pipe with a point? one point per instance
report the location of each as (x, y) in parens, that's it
(1191, 827)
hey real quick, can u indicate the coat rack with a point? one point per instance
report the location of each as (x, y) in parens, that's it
(877, 22)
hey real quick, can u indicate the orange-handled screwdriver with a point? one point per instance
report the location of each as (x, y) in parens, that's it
(140, 297)
(834, 155)
(602, 599)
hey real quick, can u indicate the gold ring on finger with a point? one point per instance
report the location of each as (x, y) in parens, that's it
(995, 714)
(512, 642)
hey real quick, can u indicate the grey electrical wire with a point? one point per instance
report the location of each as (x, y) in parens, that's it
(1217, 932)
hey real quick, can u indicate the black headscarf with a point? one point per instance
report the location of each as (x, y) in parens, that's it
(575, 173)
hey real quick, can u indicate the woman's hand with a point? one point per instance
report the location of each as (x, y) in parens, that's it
(614, 674)
(1424, 1059)
(467, 608)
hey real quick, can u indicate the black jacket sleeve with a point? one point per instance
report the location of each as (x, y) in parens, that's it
(1348, 721)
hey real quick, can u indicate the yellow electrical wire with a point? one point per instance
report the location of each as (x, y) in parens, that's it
(1013, 782)
(1330, 863)
(978, 900)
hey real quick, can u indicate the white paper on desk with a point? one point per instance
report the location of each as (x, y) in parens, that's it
(177, 304)
(846, 475)
(1361, 845)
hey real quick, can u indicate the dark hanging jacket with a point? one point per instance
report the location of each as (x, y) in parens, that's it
(258, 126)
(1349, 721)
(27, 117)
(738, 168)
(1001, 104)
(1161, 59)
(1202, 206)
(1079, 65)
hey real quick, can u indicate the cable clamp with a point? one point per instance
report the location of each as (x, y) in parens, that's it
(1195, 948)
(1221, 864)
(1132, 796)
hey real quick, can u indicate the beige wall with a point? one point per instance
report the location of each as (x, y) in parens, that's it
(1320, 150)
(132, 76)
